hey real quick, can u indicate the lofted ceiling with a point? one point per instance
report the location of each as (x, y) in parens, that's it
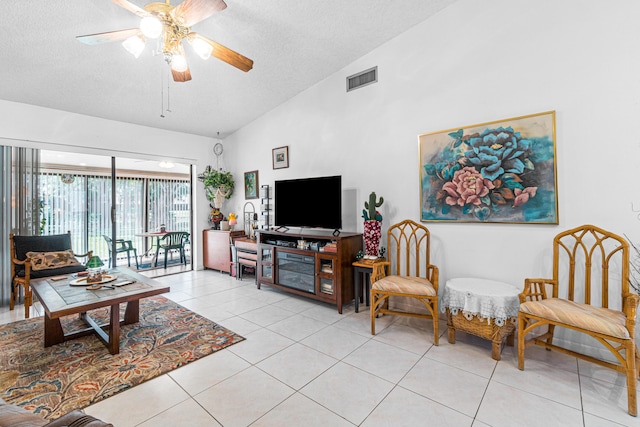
(294, 44)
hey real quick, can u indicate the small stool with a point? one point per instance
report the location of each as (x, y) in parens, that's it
(362, 269)
(481, 307)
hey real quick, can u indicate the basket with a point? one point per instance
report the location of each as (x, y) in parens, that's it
(483, 328)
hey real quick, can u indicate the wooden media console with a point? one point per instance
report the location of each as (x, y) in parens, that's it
(312, 263)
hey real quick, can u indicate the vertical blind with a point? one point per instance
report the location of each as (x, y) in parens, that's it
(82, 205)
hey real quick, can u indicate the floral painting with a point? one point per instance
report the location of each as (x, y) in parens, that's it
(502, 171)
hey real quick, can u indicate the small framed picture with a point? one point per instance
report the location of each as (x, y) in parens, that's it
(280, 157)
(251, 185)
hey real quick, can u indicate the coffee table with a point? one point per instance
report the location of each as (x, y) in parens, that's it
(60, 299)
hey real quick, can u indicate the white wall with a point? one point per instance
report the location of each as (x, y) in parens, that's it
(37, 127)
(476, 62)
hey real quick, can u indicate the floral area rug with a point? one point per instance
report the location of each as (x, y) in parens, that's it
(77, 373)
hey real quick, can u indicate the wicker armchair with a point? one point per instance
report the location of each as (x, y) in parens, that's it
(412, 275)
(591, 270)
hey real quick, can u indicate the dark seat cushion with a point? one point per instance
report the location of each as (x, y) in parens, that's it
(38, 274)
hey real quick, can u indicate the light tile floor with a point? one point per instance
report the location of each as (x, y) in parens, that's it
(303, 364)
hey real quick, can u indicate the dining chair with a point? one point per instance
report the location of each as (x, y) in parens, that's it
(121, 246)
(173, 240)
(589, 294)
(410, 275)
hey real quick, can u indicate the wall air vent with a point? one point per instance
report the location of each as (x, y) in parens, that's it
(363, 78)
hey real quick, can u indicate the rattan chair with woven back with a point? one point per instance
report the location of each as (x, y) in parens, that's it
(588, 293)
(407, 274)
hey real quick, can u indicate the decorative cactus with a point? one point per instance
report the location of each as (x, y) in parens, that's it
(369, 212)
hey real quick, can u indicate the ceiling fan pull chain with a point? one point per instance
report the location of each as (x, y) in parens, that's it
(162, 94)
(168, 96)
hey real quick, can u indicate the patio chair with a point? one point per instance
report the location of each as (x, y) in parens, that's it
(590, 295)
(173, 240)
(121, 246)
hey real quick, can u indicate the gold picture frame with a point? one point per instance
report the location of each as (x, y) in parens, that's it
(496, 172)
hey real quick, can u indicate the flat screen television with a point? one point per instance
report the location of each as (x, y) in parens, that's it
(309, 202)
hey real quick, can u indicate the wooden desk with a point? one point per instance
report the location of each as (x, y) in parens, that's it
(246, 255)
(60, 299)
(216, 246)
(363, 269)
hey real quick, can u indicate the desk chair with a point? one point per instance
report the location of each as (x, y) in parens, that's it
(246, 255)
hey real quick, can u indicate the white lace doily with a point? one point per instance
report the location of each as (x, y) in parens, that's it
(485, 299)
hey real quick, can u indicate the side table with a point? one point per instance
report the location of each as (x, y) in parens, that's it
(486, 308)
(362, 270)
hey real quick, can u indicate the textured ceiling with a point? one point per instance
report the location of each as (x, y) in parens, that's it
(294, 44)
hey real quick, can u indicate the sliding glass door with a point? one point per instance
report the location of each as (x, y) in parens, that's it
(76, 194)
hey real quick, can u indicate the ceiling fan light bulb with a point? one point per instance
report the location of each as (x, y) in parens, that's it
(134, 45)
(179, 63)
(151, 27)
(202, 48)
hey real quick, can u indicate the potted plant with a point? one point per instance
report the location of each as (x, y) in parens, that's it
(218, 185)
(372, 226)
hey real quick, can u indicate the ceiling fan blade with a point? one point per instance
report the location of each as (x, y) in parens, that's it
(181, 76)
(111, 36)
(227, 55)
(191, 12)
(132, 8)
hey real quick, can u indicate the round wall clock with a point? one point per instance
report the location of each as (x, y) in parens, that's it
(217, 150)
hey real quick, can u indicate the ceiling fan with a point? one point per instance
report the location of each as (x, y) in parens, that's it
(173, 24)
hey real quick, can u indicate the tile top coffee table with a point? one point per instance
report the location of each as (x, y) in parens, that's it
(59, 298)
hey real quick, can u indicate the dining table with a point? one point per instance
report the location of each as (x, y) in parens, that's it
(154, 237)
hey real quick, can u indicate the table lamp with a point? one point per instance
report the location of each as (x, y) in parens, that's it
(94, 269)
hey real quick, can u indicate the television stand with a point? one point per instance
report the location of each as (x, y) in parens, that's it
(322, 270)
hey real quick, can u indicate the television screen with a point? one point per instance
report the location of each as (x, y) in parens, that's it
(309, 202)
